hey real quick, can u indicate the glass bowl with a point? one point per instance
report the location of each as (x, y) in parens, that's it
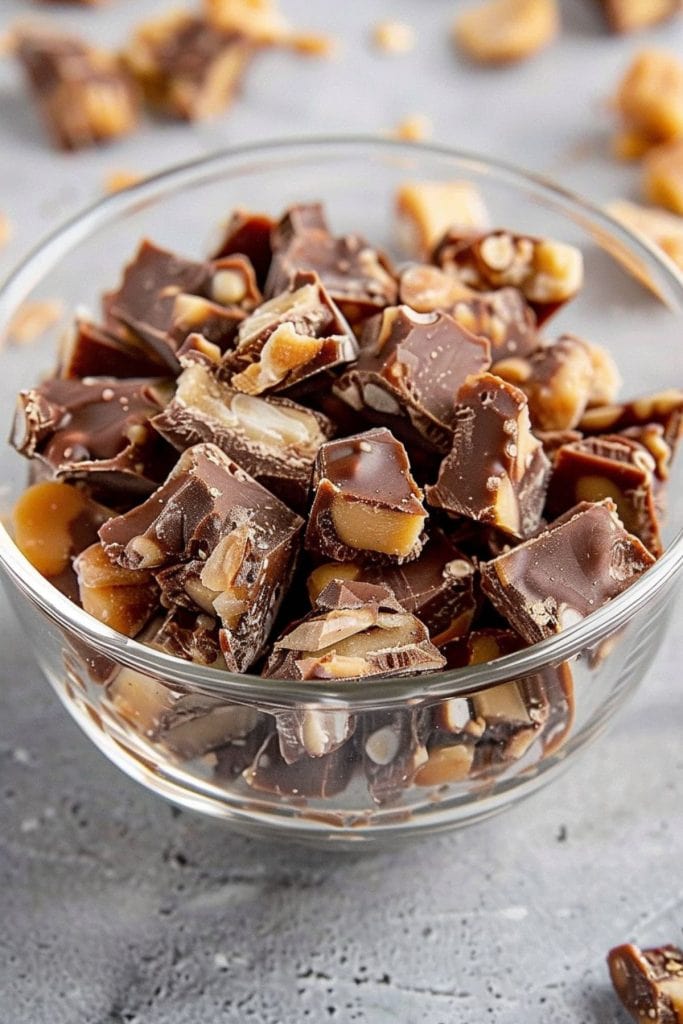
(207, 739)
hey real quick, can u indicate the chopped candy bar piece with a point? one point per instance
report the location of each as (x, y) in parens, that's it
(289, 338)
(412, 365)
(649, 982)
(650, 96)
(275, 440)
(191, 636)
(611, 466)
(437, 587)
(231, 543)
(356, 630)
(663, 176)
(308, 777)
(90, 350)
(504, 31)
(358, 278)
(96, 430)
(124, 599)
(496, 471)
(187, 66)
(249, 234)
(84, 95)
(394, 751)
(366, 503)
(548, 273)
(565, 572)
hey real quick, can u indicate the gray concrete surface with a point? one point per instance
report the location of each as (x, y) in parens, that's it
(114, 907)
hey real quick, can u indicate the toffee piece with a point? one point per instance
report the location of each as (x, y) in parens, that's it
(496, 471)
(566, 572)
(83, 94)
(649, 982)
(230, 544)
(366, 504)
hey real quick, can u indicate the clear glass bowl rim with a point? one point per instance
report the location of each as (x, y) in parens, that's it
(382, 691)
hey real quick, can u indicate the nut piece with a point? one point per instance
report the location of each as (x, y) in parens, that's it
(124, 599)
(496, 471)
(650, 96)
(649, 982)
(355, 630)
(565, 572)
(633, 15)
(394, 37)
(289, 338)
(187, 66)
(366, 502)
(52, 522)
(83, 94)
(663, 176)
(426, 210)
(548, 273)
(503, 31)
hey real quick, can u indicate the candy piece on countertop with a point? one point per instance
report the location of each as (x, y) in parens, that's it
(649, 982)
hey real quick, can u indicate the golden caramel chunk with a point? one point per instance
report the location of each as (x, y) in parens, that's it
(633, 15)
(324, 574)
(43, 519)
(664, 229)
(504, 31)
(369, 528)
(650, 96)
(393, 37)
(427, 209)
(258, 20)
(285, 351)
(446, 764)
(663, 176)
(123, 599)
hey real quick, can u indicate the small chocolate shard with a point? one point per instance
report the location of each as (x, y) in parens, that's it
(437, 587)
(275, 440)
(186, 66)
(90, 350)
(610, 466)
(366, 503)
(249, 234)
(649, 982)
(83, 94)
(565, 572)
(412, 365)
(229, 544)
(355, 630)
(496, 471)
(96, 430)
(548, 273)
(288, 339)
(393, 744)
(359, 279)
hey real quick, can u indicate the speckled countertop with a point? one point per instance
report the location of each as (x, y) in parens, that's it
(116, 907)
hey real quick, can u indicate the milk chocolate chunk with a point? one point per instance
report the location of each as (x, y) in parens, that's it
(275, 440)
(308, 777)
(413, 364)
(496, 471)
(664, 407)
(249, 234)
(91, 350)
(230, 542)
(504, 316)
(355, 630)
(190, 724)
(565, 572)
(438, 587)
(393, 745)
(612, 466)
(548, 273)
(84, 96)
(186, 66)
(366, 503)
(358, 278)
(124, 599)
(289, 338)
(95, 430)
(649, 982)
